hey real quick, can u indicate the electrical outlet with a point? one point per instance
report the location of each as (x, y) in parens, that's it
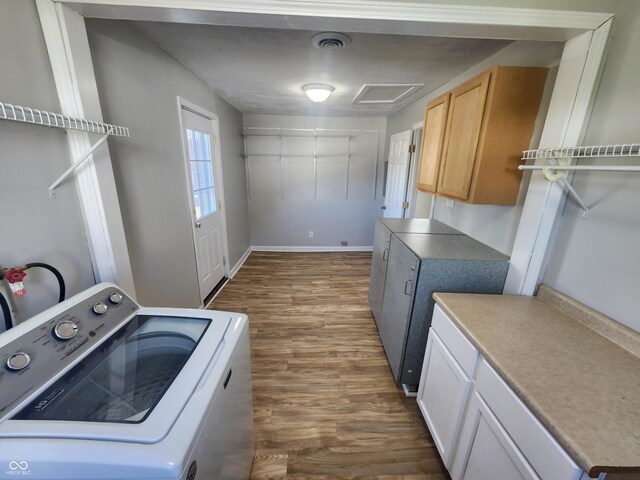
(344, 243)
(310, 233)
(450, 202)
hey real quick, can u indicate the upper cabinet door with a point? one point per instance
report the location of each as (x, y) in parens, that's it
(435, 122)
(466, 110)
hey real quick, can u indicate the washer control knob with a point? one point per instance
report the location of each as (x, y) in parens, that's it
(115, 298)
(65, 330)
(18, 361)
(100, 308)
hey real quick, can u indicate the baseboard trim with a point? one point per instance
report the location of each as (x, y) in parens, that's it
(297, 249)
(239, 263)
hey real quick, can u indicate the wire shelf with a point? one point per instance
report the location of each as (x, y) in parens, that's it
(559, 163)
(596, 151)
(34, 116)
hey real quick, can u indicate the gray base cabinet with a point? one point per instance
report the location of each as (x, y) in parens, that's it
(385, 227)
(418, 265)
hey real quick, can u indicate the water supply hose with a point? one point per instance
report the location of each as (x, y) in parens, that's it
(6, 312)
(56, 272)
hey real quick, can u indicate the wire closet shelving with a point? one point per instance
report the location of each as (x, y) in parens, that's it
(34, 116)
(311, 133)
(559, 162)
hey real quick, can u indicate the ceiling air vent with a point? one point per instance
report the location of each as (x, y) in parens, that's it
(330, 40)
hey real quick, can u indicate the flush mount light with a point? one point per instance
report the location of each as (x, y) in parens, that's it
(317, 92)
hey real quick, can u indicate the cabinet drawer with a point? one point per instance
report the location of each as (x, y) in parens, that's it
(542, 451)
(461, 348)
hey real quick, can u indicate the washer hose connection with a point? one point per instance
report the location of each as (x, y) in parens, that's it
(6, 311)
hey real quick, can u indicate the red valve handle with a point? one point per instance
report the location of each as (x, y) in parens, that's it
(15, 275)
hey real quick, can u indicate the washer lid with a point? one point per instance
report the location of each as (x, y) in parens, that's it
(133, 386)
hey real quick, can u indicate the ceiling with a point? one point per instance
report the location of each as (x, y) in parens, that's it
(260, 70)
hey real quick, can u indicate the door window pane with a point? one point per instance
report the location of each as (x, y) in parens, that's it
(202, 180)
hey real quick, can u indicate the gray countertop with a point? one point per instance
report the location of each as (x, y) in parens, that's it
(582, 386)
(450, 247)
(418, 225)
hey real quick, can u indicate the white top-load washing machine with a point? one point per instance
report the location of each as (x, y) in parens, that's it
(99, 387)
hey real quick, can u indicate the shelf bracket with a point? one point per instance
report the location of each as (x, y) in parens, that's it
(554, 175)
(77, 163)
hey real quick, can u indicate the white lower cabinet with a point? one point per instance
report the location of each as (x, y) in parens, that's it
(485, 450)
(442, 396)
(481, 428)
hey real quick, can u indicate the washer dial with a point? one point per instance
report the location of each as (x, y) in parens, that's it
(115, 298)
(65, 330)
(100, 308)
(18, 361)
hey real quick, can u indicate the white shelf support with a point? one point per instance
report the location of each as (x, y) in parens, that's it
(76, 164)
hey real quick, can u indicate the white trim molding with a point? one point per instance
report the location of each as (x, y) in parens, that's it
(239, 263)
(585, 34)
(294, 249)
(411, 17)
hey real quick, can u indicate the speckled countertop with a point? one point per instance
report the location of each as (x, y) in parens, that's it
(581, 385)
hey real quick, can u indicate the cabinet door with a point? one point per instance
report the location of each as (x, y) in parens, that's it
(485, 450)
(435, 121)
(402, 272)
(381, 240)
(442, 396)
(466, 109)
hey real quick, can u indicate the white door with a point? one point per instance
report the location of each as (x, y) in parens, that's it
(202, 154)
(397, 175)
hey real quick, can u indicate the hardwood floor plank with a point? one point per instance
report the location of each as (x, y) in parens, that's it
(325, 403)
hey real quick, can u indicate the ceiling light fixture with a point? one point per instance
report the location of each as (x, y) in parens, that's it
(317, 92)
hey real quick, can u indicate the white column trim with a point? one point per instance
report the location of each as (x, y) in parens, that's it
(545, 200)
(68, 47)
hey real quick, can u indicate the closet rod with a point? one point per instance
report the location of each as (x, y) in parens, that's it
(585, 168)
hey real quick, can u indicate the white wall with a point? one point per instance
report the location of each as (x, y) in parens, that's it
(332, 215)
(138, 85)
(34, 227)
(597, 259)
(493, 225)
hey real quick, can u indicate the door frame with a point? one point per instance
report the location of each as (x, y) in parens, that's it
(183, 103)
(417, 130)
(585, 35)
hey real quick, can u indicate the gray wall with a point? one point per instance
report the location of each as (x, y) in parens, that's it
(494, 225)
(138, 85)
(34, 226)
(597, 259)
(278, 222)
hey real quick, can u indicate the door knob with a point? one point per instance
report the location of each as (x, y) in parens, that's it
(198, 224)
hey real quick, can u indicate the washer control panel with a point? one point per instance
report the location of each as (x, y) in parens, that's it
(32, 360)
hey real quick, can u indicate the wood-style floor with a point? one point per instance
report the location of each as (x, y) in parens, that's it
(325, 403)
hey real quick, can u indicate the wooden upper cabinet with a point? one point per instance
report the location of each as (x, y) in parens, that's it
(435, 122)
(463, 132)
(490, 120)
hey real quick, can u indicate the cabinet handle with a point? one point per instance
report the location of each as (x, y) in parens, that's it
(407, 287)
(385, 254)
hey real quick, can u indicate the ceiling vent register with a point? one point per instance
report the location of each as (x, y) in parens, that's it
(330, 41)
